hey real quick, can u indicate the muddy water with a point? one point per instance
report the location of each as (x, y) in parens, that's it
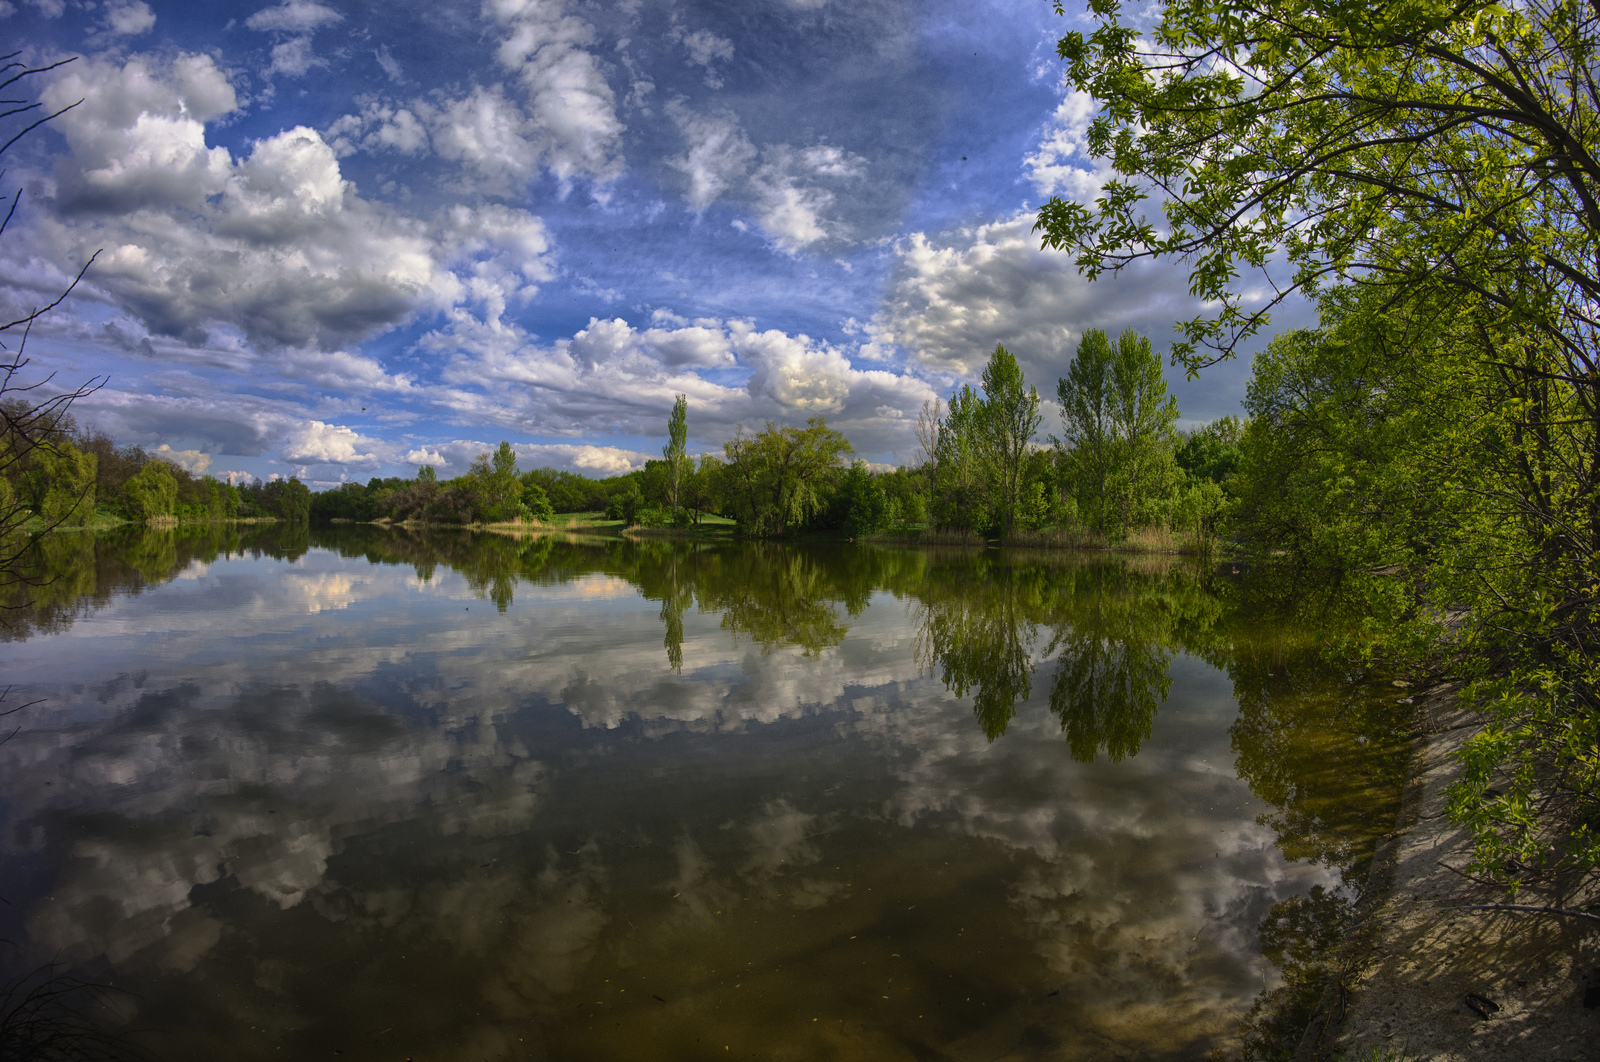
(468, 797)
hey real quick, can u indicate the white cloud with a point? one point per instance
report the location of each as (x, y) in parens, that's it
(1061, 165)
(718, 158)
(276, 244)
(485, 130)
(128, 18)
(571, 111)
(563, 119)
(949, 302)
(294, 58)
(317, 443)
(194, 462)
(49, 8)
(704, 46)
(614, 378)
(381, 126)
(293, 16)
(598, 461)
(389, 64)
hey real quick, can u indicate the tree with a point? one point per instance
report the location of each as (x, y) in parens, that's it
(773, 477)
(1088, 434)
(675, 451)
(33, 415)
(150, 494)
(1010, 417)
(860, 506)
(1118, 434)
(1425, 170)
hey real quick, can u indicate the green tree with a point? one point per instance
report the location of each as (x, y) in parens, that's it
(57, 482)
(1010, 417)
(860, 505)
(774, 478)
(152, 493)
(1118, 434)
(1428, 171)
(536, 501)
(676, 450)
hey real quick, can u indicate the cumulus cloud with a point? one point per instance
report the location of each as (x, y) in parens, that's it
(951, 299)
(317, 443)
(129, 18)
(598, 461)
(615, 377)
(293, 57)
(379, 126)
(571, 111)
(244, 427)
(277, 243)
(194, 462)
(1061, 164)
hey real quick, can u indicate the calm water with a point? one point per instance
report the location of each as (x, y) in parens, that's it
(467, 797)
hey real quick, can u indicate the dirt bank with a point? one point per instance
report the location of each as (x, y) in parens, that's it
(1409, 965)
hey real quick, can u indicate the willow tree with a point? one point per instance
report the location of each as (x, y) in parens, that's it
(1428, 162)
(773, 478)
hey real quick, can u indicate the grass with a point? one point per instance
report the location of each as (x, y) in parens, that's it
(1145, 540)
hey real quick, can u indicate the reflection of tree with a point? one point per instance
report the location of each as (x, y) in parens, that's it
(67, 575)
(1328, 752)
(1113, 636)
(777, 596)
(1116, 627)
(1324, 751)
(1298, 936)
(976, 629)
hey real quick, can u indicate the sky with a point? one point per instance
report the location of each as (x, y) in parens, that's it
(343, 239)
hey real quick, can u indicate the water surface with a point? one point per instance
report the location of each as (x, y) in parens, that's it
(468, 796)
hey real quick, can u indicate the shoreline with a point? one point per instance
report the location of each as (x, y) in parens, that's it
(1406, 966)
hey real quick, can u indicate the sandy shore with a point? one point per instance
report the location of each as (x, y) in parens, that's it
(1409, 966)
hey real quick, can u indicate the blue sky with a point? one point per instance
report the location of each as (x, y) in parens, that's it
(340, 239)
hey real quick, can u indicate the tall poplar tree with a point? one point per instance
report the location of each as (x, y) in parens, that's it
(676, 450)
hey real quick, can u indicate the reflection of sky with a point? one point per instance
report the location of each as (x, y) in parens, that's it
(251, 772)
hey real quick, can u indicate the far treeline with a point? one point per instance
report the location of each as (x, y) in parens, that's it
(1119, 470)
(54, 474)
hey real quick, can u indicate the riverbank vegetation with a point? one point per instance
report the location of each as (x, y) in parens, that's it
(1121, 475)
(1425, 175)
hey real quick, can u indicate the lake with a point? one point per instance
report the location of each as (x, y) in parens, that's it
(388, 795)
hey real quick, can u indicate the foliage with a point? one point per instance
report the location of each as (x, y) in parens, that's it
(536, 501)
(1426, 172)
(151, 493)
(281, 499)
(675, 450)
(859, 507)
(1211, 452)
(774, 479)
(1117, 432)
(981, 447)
